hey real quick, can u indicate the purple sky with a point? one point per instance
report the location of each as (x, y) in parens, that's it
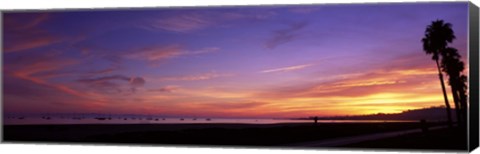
(249, 61)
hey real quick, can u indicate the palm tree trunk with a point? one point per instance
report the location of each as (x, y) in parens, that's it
(456, 100)
(447, 105)
(464, 105)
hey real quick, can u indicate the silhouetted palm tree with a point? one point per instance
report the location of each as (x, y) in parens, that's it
(437, 36)
(453, 66)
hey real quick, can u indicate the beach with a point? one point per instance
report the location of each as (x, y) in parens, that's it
(442, 139)
(275, 135)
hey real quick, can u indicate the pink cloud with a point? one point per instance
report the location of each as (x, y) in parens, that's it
(34, 71)
(31, 70)
(23, 32)
(202, 51)
(161, 53)
(103, 71)
(287, 69)
(30, 42)
(156, 53)
(22, 21)
(203, 76)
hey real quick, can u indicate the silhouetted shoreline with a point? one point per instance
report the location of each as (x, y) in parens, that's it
(198, 134)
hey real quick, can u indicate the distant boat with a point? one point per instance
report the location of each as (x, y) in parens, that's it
(181, 119)
(21, 118)
(100, 118)
(194, 118)
(208, 119)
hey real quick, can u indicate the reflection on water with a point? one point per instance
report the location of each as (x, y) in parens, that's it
(160, 120)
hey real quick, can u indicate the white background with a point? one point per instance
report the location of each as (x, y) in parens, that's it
(110, 149)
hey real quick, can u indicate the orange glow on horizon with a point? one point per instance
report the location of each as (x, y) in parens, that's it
(322, 100)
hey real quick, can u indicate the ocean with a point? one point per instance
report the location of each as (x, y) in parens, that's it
(34, 120)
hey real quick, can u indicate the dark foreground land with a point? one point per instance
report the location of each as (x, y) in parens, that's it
(279, 135)
(449, 139)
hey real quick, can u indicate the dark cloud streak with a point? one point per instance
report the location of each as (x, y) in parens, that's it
(283, 36)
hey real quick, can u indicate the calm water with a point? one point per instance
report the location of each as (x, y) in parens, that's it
(148, 120)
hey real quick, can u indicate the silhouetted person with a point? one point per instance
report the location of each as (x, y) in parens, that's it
(315, 119)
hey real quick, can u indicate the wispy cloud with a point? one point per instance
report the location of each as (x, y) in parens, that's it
(23, 32)
(196, 77)
(233, 105)
(370, 92)
(165, 89)
(103, 71)
(201, 51)
(105, 78)
(45, 97)
(29, 20)
(31, 42)
(156, 53)
(368, 83)
(29, 69)
(218, 92)
(107, 84)
(39, 69)
(287, 69)
(181, 23)
(160, 53)
(24, 21)
(285, 35)
(193, 21)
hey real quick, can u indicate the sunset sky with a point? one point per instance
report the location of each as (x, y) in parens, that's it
(268, 61)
